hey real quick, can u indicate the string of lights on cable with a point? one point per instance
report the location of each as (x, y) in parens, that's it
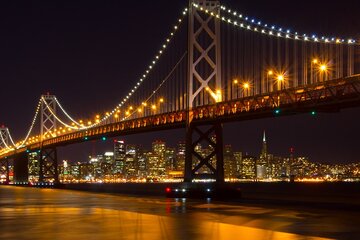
(144, 75)
(257, 26)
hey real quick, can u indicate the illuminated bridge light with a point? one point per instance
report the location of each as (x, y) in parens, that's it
(277, 111)
(103, 138)
(86, 138)
(313, 113)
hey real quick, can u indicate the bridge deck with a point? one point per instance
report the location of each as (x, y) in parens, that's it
(326, 96)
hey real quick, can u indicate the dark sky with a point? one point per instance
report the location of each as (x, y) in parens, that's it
(89, 53)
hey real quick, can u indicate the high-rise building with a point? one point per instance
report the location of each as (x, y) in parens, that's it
(107, 164)
(142, 163)
(159, 149)
(238, 162)
(180, 156)
(154, 168)
(119, 157)
(86, 171)
(75, 171)
(263, 166)
(264, 147)
(34, 166)
(229, 162)
(96, 171)
(130, 167)
(170, 163)
(248, 167)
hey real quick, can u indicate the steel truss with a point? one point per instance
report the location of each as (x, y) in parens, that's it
(5, 169)
(4, 143)
(4, 138)
(48, 156)
(48, 112)
(328, 96)
(195, 162)
(48, 165)
(204, 88)
(204, 53)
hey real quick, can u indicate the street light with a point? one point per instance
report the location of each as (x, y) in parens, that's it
(218, 95)
(246, 87)
(116, 116)
(323, 68)
(161, 109)
(280, 78)
(235, 82)
(315, 61)
(268, 74)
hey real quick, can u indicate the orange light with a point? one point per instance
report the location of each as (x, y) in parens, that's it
(323, 67)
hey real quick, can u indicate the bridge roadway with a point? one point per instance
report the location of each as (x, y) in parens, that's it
(328, 96)
(31, 213)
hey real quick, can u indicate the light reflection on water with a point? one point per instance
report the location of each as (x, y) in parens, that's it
(57, 214)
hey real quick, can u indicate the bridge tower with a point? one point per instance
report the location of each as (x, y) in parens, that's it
(4, 143)
(48, 156)
(204, 88)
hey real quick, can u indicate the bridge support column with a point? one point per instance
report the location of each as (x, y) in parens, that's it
(21, 170)
(204, 87)
(211, 165)
(48, 165)
(5, 169)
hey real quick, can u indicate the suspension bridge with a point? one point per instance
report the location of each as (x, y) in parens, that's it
(215, 66)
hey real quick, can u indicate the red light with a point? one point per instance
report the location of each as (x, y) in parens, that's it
(168, 189)
(292, 150)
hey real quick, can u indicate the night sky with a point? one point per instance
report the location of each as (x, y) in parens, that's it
(89, 53)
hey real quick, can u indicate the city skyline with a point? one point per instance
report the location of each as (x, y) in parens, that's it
(163, 162)
(291, 150)
(75, 51)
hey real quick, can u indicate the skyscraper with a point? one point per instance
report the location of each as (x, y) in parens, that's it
(180, 156)
(263, 164)
(131, 161)
(229, 162)
(159, 165)
(107, 164)
(119, 157)
(264, 147)
(34, 166)
(248, 167)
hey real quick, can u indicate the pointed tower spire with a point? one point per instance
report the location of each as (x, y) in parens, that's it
(264, 137)
(264, 147)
